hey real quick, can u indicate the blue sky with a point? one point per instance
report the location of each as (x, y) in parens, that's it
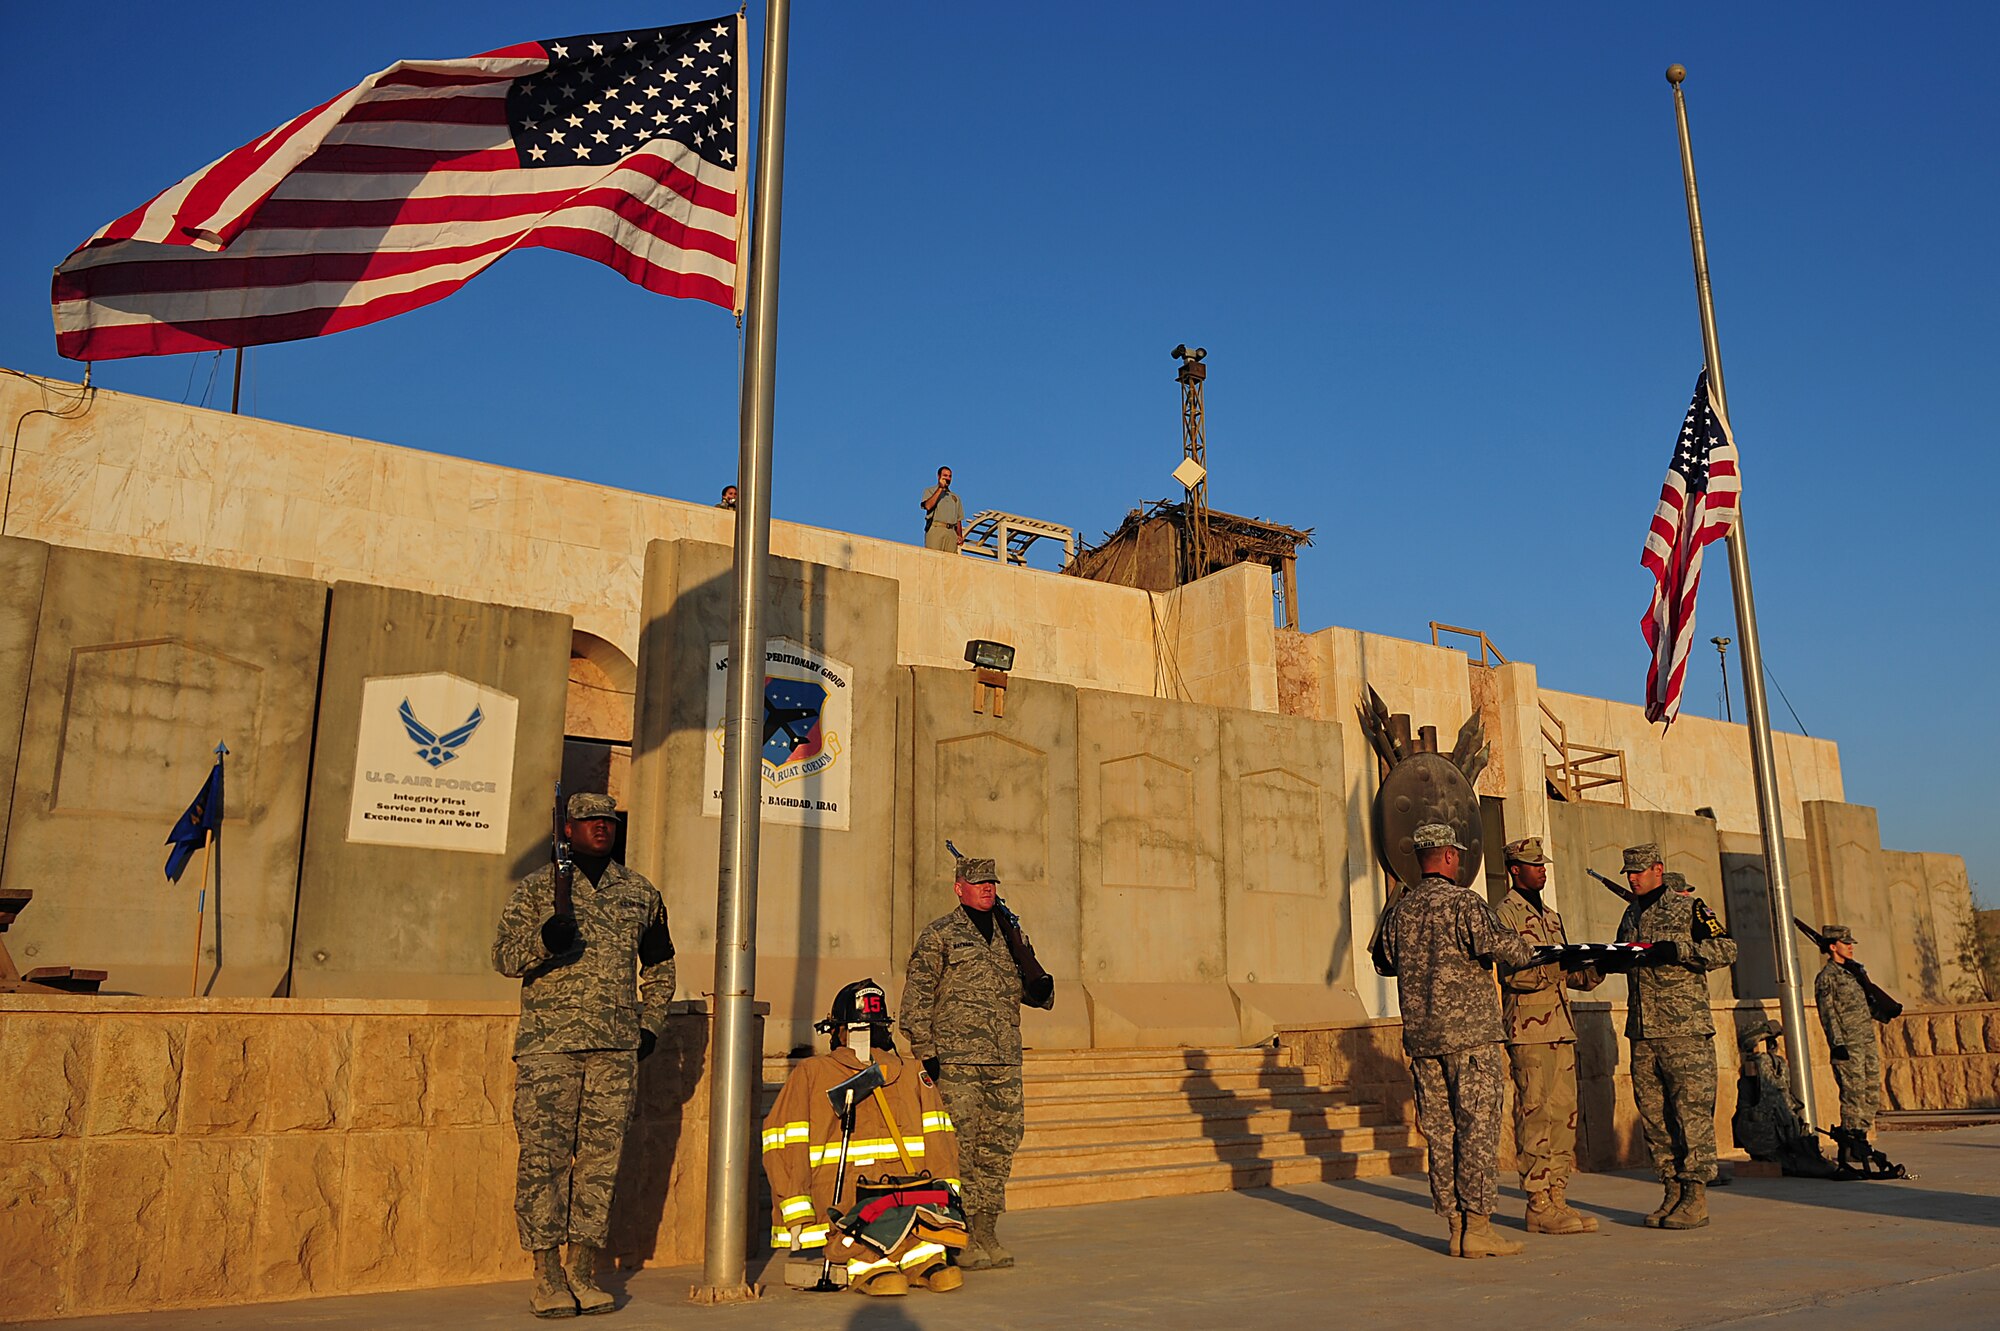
(1438, 255)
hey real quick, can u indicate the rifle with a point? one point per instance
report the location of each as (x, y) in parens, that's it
(1036, 983)
(1624, 893)
(565, 867)
(1881, 1006)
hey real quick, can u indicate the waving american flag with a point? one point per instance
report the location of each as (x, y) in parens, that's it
(1698, 504)
(620, 147)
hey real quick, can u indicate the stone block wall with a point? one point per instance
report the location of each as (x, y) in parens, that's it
(1943, 1058)
(182, 1153)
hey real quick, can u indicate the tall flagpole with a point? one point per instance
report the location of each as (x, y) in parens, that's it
(1763, 755)
(735, 1053)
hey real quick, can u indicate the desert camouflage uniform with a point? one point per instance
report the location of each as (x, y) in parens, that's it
(1843, 1012)
(1439, 940)
(962, 1006)
(576, 1050)
(1541, 1048)
(1672, 1032)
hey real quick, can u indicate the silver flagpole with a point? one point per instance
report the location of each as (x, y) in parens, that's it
(1763, 755)
(735, 1052)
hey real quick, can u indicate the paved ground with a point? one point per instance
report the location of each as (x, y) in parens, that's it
(1782, 1254)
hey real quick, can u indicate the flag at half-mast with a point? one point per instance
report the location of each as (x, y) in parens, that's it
(1698, 504)
(620, 147)
(201, 821)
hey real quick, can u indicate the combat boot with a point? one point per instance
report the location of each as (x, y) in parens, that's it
(1667, 1203)
(1482, 1240)
(1457, 1219)
(1550, 1213)
(984, 1248)
(551, 1297)
(1692, 1212)
(583, 1279)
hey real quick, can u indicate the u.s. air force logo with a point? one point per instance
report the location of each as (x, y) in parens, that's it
(433, 748)
(796, 740)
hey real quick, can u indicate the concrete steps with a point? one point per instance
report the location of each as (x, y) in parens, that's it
(1115, 1124)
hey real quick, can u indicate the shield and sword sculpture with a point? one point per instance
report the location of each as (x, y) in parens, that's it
(1423, 787)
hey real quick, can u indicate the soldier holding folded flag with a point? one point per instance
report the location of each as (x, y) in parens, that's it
(1672, 1032)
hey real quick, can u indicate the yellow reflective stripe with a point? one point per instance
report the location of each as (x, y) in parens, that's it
(812, 1236)
(863, 1150)
(794, 1208)
(922, 1253)
(858, 1267)
(937, 1120)
(785, 1134)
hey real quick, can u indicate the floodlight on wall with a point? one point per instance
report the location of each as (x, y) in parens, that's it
(990, 663)
(990, 655)
(1190, 473)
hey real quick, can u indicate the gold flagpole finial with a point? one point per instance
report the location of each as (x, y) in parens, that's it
(1675, 73)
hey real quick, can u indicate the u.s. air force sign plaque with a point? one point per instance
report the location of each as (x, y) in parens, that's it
(808, 713)
(433, 765)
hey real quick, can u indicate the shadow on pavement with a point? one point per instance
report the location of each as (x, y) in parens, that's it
(881, 1315)
(1322, 1210)
(1889, 1197)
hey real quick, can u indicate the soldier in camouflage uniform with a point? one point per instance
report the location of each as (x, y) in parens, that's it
(584, 1028)
(1541, 1047)
(1439, 940)
(962, 998)
(1851, 1039)
(1673, 1035)
(1768, 1122)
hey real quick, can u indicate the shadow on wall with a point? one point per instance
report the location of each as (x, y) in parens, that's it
(700, 615)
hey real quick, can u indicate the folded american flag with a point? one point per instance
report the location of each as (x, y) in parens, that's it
(621, 147)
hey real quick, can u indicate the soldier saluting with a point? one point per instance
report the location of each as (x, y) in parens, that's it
(969, 975)
(576, 932)
(1672, 1033)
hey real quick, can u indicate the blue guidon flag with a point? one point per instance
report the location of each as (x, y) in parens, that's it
(623, 147)
(201, 821)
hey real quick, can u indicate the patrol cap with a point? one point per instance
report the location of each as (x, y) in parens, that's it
(1675, 882)
(1836, 933)
(973, 869)
(584, 805)
(1528, 850)
(1436, 836)
(1642, 857)
(1758, 1031)
(863, 1003)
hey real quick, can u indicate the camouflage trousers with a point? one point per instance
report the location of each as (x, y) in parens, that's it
(1859, 1077)
(570, 1112)
(989, 1112)
(1673, 1084)
(1544, 1112)
(1458, 1110)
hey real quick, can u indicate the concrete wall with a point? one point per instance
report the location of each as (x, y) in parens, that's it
(23, 566)
(390, 921)
(823, 899)
(135, 476)
(1700, 763)
(175, 1153)
(1003, 787)
(140, 667)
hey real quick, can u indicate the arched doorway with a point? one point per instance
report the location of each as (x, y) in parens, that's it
(597, 717)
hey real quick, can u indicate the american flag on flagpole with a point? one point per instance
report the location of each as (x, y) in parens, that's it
(620, 147)
(1698, 504)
